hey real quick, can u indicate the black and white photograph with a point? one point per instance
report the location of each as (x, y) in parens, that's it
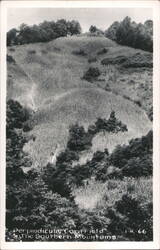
(79, 124)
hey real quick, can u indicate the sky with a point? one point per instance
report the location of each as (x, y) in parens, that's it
(101, 17)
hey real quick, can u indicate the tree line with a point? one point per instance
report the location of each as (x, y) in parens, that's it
(43, 32)
(129, 33)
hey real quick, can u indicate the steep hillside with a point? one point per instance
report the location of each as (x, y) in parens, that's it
(48, 77)
(43, 63)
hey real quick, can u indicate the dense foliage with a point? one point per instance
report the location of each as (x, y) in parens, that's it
(135, 159)
(131, 219)
(43, 32)
(43, 199)
(112, 125)
(79, 139)
(16, 138)
(129, 33)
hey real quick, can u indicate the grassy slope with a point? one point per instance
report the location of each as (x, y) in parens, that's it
(132, 83)
(48, 78)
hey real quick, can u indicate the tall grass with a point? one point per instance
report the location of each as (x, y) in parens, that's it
(95, 194)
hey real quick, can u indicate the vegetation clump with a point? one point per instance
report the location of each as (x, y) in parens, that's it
(94, 31)
(102, 51)
(44, 32)
(31, 52)
(126, 32)
(134, 159)
(92, 74)
(112, 125)
(134, 61)
(132, 219)
(79, 140)
(79, 52)
(36, 197)
(10, 59)
(92, 59)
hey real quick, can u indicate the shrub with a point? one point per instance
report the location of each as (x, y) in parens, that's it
(12, 49)
(57, 49)
(102, 51)
(67, 156)
(111, 125)
(92, 59)
(138, 166)
(79, 52)
(81, 173)
(92, 74)
(10, 59)
(57, 178)
(31, 52)
(134, 61)
(44, 51)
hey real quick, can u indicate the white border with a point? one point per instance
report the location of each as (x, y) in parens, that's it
(155, 5)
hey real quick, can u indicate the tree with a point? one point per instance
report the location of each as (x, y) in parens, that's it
(74, 28)
(92, 29)
(61, 28)
(12, 37)
(79, 140)
(132, 34)
(125, 32)
(111, 32)
(44, 32)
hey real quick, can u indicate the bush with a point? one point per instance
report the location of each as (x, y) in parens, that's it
(10, 59)
(134, 61)
(102, 51)
(12, 49)
(92, 59)
(67, 156)
(79, 52)
(31, 52)
(112, 125)
(92, 74)
(138, 166)
(44, 51)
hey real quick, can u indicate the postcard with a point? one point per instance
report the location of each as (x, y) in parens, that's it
(80, 112)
